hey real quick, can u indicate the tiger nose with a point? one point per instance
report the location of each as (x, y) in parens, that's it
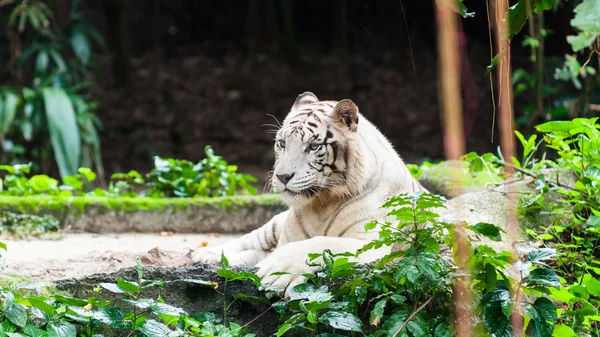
(285, 178)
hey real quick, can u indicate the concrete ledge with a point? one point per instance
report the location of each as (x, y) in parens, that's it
(226, 215)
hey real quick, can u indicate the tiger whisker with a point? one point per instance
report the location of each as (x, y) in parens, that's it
(275, 118)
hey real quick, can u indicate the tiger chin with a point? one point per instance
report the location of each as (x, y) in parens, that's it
(334, 170)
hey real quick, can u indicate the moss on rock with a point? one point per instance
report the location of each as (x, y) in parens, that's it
(438, 179)
(223, 214)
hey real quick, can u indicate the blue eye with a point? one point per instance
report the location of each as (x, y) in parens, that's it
(314, 147)
(281, 144)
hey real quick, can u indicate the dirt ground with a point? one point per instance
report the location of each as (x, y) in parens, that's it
(84, 254)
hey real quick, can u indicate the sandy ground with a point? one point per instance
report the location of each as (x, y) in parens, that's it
(83, 254)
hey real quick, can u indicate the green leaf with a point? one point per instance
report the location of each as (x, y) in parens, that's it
(87, 173)
(593, 287)
(80, 45)
(130, 287)
(490, 277)
(152, 328)
(563, 330)
(544, 312)
(114, 317)
(70, 301)
(40, 303)
(8, 110)
(113, 288)
(33, 331)
(496, 306)
(15, 312)
(64, 133)
(231, 275)
(581, 41)
(541, 254)
(42, 183)
(543, 277)
(494, 63)
(488, 230)
(258, 299)
(341, 320)
(224, 261)
(587, 16)
(562, 295)
(283, 329)
(61, 329)
(41, 62)
(377, 312)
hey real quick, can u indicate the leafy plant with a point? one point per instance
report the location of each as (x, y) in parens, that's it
(573, 206)
(410, 291)
(24, 313)
(212, 176)
(50, 116)
(22, 226)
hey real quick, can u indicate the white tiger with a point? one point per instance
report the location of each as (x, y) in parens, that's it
(334, 169)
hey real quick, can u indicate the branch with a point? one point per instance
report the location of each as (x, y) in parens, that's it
(413, 315)
(534, 175)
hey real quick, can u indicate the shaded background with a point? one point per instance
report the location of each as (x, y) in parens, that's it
(181, 74)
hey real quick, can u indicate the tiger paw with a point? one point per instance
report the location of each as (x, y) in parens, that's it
(208, 255)
(292, 272)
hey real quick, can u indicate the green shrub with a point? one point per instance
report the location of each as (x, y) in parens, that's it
(211, 177)
(50, 116)
(25, 313)
(21, 226)
(410, 292)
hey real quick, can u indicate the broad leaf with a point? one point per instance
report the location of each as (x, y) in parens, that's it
(64, 133)
(341, 320)
(543, 277)
(542, 314)
(70, 301)
(541, 254)
(38, 302)
(80, 45)
(8, 110)
(496, 306)
(61, 329)
(152, 328)
(130, 287)
(488, 230)
(15, 312)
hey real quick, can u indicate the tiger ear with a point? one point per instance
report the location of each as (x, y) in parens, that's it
(346, 113)
(306, 97)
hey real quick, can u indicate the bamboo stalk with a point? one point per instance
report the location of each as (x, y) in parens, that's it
(507, 142)
(454, 146)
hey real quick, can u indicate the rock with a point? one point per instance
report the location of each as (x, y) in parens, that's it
(438, 179)
(181, 292)
(492, 206)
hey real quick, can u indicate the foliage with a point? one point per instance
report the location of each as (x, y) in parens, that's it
(50, 116)
(25, 313)
(417, 170)
(210, 177)
(587, 22)
(22, 226)
(574, 209)
(409, 291)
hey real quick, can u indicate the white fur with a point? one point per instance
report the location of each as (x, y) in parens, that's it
(333, 218)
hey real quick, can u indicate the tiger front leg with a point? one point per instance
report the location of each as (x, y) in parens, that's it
(249, 249)
(291, 258)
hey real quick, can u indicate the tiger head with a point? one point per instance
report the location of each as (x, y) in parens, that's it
(318, 152)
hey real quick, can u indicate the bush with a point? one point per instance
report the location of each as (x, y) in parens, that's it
(211, 177)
